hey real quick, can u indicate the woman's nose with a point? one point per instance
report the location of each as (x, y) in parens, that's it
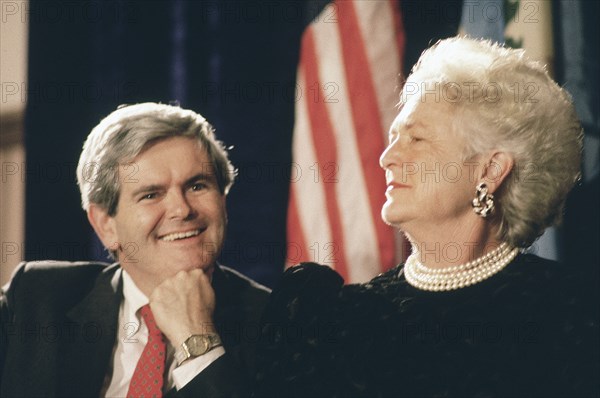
(391, 154)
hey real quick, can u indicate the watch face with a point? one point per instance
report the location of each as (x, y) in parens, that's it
(198, 345)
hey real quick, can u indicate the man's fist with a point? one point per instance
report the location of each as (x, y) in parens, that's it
(183, 305)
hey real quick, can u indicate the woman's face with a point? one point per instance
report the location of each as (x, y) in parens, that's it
(429, 185)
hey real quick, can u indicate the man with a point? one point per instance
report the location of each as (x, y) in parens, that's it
(166, 318)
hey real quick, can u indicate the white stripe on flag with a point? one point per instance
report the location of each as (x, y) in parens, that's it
(308, 189)
(360, 245)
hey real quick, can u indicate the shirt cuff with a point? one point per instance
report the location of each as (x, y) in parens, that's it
(191, 368)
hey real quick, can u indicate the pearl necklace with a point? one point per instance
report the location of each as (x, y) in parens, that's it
(456, 277)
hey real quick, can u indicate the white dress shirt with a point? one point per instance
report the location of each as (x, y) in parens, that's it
(132, 336)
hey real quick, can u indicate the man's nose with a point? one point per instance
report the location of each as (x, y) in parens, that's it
(178, 206)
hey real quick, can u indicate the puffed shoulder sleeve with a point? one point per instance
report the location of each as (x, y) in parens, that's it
(7, 293)
(300, 290)
(298, 332)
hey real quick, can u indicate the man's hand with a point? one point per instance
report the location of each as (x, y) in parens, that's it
(183, 305)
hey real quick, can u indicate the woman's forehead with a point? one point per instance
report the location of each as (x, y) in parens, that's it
(421, 112)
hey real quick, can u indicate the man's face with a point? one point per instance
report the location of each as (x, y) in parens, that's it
(170, 216)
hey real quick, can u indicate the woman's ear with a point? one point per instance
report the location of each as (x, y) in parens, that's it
(495, 171)
(104, 225)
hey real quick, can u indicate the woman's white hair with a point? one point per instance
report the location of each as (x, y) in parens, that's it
(507, 102)
(124, 134)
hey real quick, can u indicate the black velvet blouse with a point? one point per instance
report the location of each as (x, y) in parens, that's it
(529, 331)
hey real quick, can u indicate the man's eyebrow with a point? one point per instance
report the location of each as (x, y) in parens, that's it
(202, 176)
(146, 188)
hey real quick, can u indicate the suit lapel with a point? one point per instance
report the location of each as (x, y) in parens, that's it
(226, 309)
(94, 321)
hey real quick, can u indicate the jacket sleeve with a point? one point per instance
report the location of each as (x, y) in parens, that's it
(240, 303)
(222, 378)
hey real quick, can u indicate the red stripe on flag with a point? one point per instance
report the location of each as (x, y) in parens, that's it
(368, 127)
(297, 249)
(325, 148)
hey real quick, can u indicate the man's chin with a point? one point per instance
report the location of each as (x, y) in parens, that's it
(207, 268)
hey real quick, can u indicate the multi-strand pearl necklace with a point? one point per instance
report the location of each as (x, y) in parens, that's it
(456, 277)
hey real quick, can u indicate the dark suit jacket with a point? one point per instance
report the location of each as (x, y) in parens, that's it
(59, 325)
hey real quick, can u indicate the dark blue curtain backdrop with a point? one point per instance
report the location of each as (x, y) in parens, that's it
(235, 63)
(577, 66)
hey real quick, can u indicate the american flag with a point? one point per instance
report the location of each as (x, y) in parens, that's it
(347, 91)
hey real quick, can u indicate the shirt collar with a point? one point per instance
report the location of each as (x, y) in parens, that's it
(134, 298)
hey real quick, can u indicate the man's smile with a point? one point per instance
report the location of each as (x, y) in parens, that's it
(179, 235)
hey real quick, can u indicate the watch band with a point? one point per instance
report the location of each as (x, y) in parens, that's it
(196, 345)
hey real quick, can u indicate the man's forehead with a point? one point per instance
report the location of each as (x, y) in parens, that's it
(152, 160)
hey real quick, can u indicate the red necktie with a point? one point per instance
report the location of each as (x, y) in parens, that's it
(147, 380)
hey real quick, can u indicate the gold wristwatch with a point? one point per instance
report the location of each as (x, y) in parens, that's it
(196, 345)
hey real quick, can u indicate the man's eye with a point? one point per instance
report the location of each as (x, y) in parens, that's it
(198, 186)
(148, 196)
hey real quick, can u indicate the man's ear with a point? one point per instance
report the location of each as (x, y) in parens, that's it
(495, 171)
(104, 225)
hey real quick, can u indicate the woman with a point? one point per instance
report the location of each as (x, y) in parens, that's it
(480, 160)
